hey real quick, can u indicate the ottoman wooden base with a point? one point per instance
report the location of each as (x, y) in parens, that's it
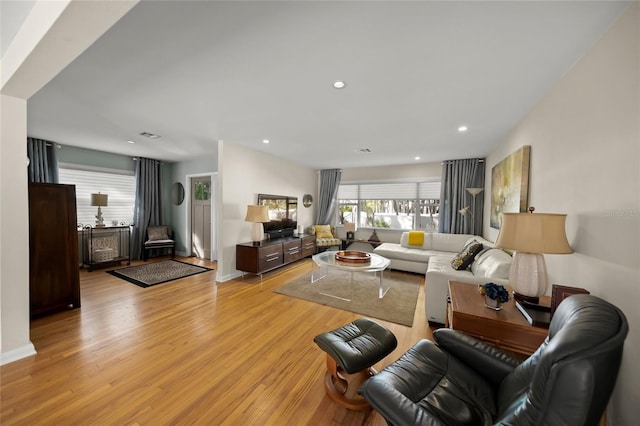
(342, 387)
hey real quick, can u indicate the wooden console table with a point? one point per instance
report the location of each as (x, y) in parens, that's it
(506, 328)
(266, 255)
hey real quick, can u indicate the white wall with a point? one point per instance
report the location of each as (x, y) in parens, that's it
(14, 231)
(391, 173)
(243, 174)
(180, 222)
(585, 156)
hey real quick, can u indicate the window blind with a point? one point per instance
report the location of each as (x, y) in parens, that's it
(119, 185)
(390, 191)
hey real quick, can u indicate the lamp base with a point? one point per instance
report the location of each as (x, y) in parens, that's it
(523, 298)
(528, 276)
(257, 232)
(99, 219)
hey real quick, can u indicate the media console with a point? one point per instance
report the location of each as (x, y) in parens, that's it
(266, 255)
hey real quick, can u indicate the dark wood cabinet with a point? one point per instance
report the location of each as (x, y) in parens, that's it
(267, 255)
(54, 278)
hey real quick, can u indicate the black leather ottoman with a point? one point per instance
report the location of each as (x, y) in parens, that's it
(351, 351)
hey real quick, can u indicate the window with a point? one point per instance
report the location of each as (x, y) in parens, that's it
(202, 191)
(390, 205)
(119, 185)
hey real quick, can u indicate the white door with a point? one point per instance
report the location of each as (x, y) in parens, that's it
(201, 217)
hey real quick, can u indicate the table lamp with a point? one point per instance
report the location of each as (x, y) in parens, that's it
(350, 229)
(531, 235)
(258, 215)
(99, 200)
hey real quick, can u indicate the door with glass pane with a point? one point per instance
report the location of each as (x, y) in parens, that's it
(201, 217)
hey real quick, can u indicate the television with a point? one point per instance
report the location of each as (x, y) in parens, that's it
(283, 211)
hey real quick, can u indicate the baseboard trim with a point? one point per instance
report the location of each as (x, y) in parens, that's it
(17, 354)
(228, 277)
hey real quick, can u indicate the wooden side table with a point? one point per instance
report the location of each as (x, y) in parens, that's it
(506, 328)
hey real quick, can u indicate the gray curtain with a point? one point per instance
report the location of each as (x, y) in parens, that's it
(148, 208)
(43, 161)
(457, 175)
(327, 201)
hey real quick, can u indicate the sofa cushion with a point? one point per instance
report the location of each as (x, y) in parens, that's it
(416, 238)
(426, 241)
(395, 251)
(442, 264)
(323, 231)
(449, 242)
(492, 263)
(463, 259)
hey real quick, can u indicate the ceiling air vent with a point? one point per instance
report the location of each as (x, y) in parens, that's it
(364, 150)
(149, 135)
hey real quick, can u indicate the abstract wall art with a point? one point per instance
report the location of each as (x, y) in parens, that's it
(510, 185)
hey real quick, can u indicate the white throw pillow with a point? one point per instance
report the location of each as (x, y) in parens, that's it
(493, 263)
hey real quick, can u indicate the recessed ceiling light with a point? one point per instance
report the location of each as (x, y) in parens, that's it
(416, 158)
(265, 140)
(339, 84)
(131, 141)
(462, 129)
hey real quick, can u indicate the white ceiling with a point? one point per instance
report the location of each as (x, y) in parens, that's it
(202, 71)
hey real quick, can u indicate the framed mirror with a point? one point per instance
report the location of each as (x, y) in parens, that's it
(177, 193)
(307, 200)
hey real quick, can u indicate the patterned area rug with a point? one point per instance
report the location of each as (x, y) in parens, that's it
(158, 272)
(398, 305)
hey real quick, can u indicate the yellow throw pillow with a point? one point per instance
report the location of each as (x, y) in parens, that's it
(323, 231)
(416, 238)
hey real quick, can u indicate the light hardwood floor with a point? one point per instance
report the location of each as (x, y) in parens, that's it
(191, 351)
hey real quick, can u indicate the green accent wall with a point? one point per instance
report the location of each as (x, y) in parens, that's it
(90, 157)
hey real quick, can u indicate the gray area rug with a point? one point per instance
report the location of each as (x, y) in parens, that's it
(157, 272)
(398, 305)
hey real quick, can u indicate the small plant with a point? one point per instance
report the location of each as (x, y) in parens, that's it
(495, 291)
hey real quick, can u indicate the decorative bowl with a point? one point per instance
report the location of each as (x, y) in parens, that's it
(353, 258)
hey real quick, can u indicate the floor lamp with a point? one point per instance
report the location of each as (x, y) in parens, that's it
(465, 210)
(474, 193)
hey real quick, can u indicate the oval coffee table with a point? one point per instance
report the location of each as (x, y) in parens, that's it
(327, 260)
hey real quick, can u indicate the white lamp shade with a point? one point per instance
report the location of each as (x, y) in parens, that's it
(257, 214)
(474, 191)
(349, 227)
(99, 200)
(534, 233)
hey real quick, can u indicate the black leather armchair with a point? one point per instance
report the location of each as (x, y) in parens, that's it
(463, 381)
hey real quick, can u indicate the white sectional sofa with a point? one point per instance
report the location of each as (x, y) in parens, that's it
(434, 258)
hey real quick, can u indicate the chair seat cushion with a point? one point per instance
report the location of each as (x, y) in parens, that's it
(327, 242)
(156, 243)
(427, 383)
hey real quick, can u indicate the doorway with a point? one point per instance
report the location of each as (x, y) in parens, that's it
(201, 235)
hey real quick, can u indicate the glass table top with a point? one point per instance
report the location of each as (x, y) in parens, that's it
(328, 259)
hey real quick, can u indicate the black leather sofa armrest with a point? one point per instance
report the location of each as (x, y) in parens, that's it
(488, 361)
